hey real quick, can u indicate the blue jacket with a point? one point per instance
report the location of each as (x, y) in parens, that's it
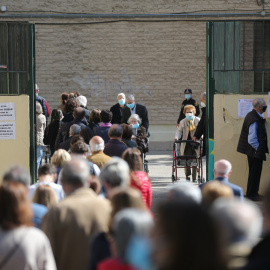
(114, 148)
(237, 191)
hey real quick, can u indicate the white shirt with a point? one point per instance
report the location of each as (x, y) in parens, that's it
(58, 189)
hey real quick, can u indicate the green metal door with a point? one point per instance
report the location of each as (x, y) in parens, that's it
(17, 71)
(238, 61)
(223, 73)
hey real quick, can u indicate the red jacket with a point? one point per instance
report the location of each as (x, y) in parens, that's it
(141, 181)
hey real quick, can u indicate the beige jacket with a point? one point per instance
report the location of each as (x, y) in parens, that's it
(40, 125)
(182, 133)
(71, 226)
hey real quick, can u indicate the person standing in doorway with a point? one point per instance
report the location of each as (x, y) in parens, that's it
(253, 143)
(188, 101)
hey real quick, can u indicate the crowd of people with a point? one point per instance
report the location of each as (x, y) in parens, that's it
(91, 206)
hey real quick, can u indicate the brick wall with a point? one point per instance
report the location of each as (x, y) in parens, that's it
(153, 60)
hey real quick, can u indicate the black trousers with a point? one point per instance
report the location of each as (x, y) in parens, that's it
(254, 176)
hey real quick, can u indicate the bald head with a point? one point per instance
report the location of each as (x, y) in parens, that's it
(96, 144)
(222, 168)
(115, 132)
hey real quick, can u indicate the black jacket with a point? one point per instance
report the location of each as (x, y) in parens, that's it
(190, 101)
(50, 134)
(141, 110)
(200, 130)
(117, 113)
(243, 146)
(259, 256)
(63, 133)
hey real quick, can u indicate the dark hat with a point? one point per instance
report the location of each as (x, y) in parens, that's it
(188, 91)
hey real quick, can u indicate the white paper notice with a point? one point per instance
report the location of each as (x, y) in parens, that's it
(244, 107)
(7, 111)
(7, 131)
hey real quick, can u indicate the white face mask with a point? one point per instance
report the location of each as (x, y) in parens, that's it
(203, 104)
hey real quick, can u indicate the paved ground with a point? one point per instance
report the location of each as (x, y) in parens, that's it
(160, 173)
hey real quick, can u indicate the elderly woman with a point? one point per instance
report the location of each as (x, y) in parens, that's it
(134, 121)
(185, 131)
(40, 125)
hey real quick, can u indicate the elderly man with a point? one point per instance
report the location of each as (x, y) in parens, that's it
(114, 174)
(253, 143)
(118, 108)
(97, 147)
(63, 133)
(74, 130)
(115, 147)
(133, 107)
(72, 224)
(222, 172)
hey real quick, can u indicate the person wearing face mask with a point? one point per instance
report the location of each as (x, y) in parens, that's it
(188, 101)
(186, 131)
(200, 131)
(253, 143)
(118, 108)
(133, 107)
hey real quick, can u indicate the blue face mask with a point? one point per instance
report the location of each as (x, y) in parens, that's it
(189, 116)
(187, 96)
(131, 106)
(121, 101)
(139, 253)
(136, 125)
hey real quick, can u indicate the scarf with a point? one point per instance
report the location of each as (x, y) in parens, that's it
(191, 125)
(102, 124)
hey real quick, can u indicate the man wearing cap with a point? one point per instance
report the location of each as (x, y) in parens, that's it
(188, 101)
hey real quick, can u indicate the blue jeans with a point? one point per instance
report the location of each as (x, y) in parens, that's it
(39, 156)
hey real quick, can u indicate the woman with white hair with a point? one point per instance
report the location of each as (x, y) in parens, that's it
(117, 108)
(134, 121)
(40, 125)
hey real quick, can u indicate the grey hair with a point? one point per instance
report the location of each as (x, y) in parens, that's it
(128, 224)
(135, 116)
(96, 147)
(203, 95)
(115, 173)
(223, 167)
(17, 174)
(36, 88)
(257, 102)
(121, 94)
(76, 172)
(240, 220)
(115, 131)
(38, 108)
(130, 97)
(74, 130)
(185, 191)
(81, 100)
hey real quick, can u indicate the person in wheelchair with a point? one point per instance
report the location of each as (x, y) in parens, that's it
(186, 131)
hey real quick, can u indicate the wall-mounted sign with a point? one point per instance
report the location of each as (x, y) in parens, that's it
(7, 111)
(244, 107)
(7, 131)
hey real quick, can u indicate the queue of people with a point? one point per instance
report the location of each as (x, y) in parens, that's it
(91, 207)
(104, 221)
